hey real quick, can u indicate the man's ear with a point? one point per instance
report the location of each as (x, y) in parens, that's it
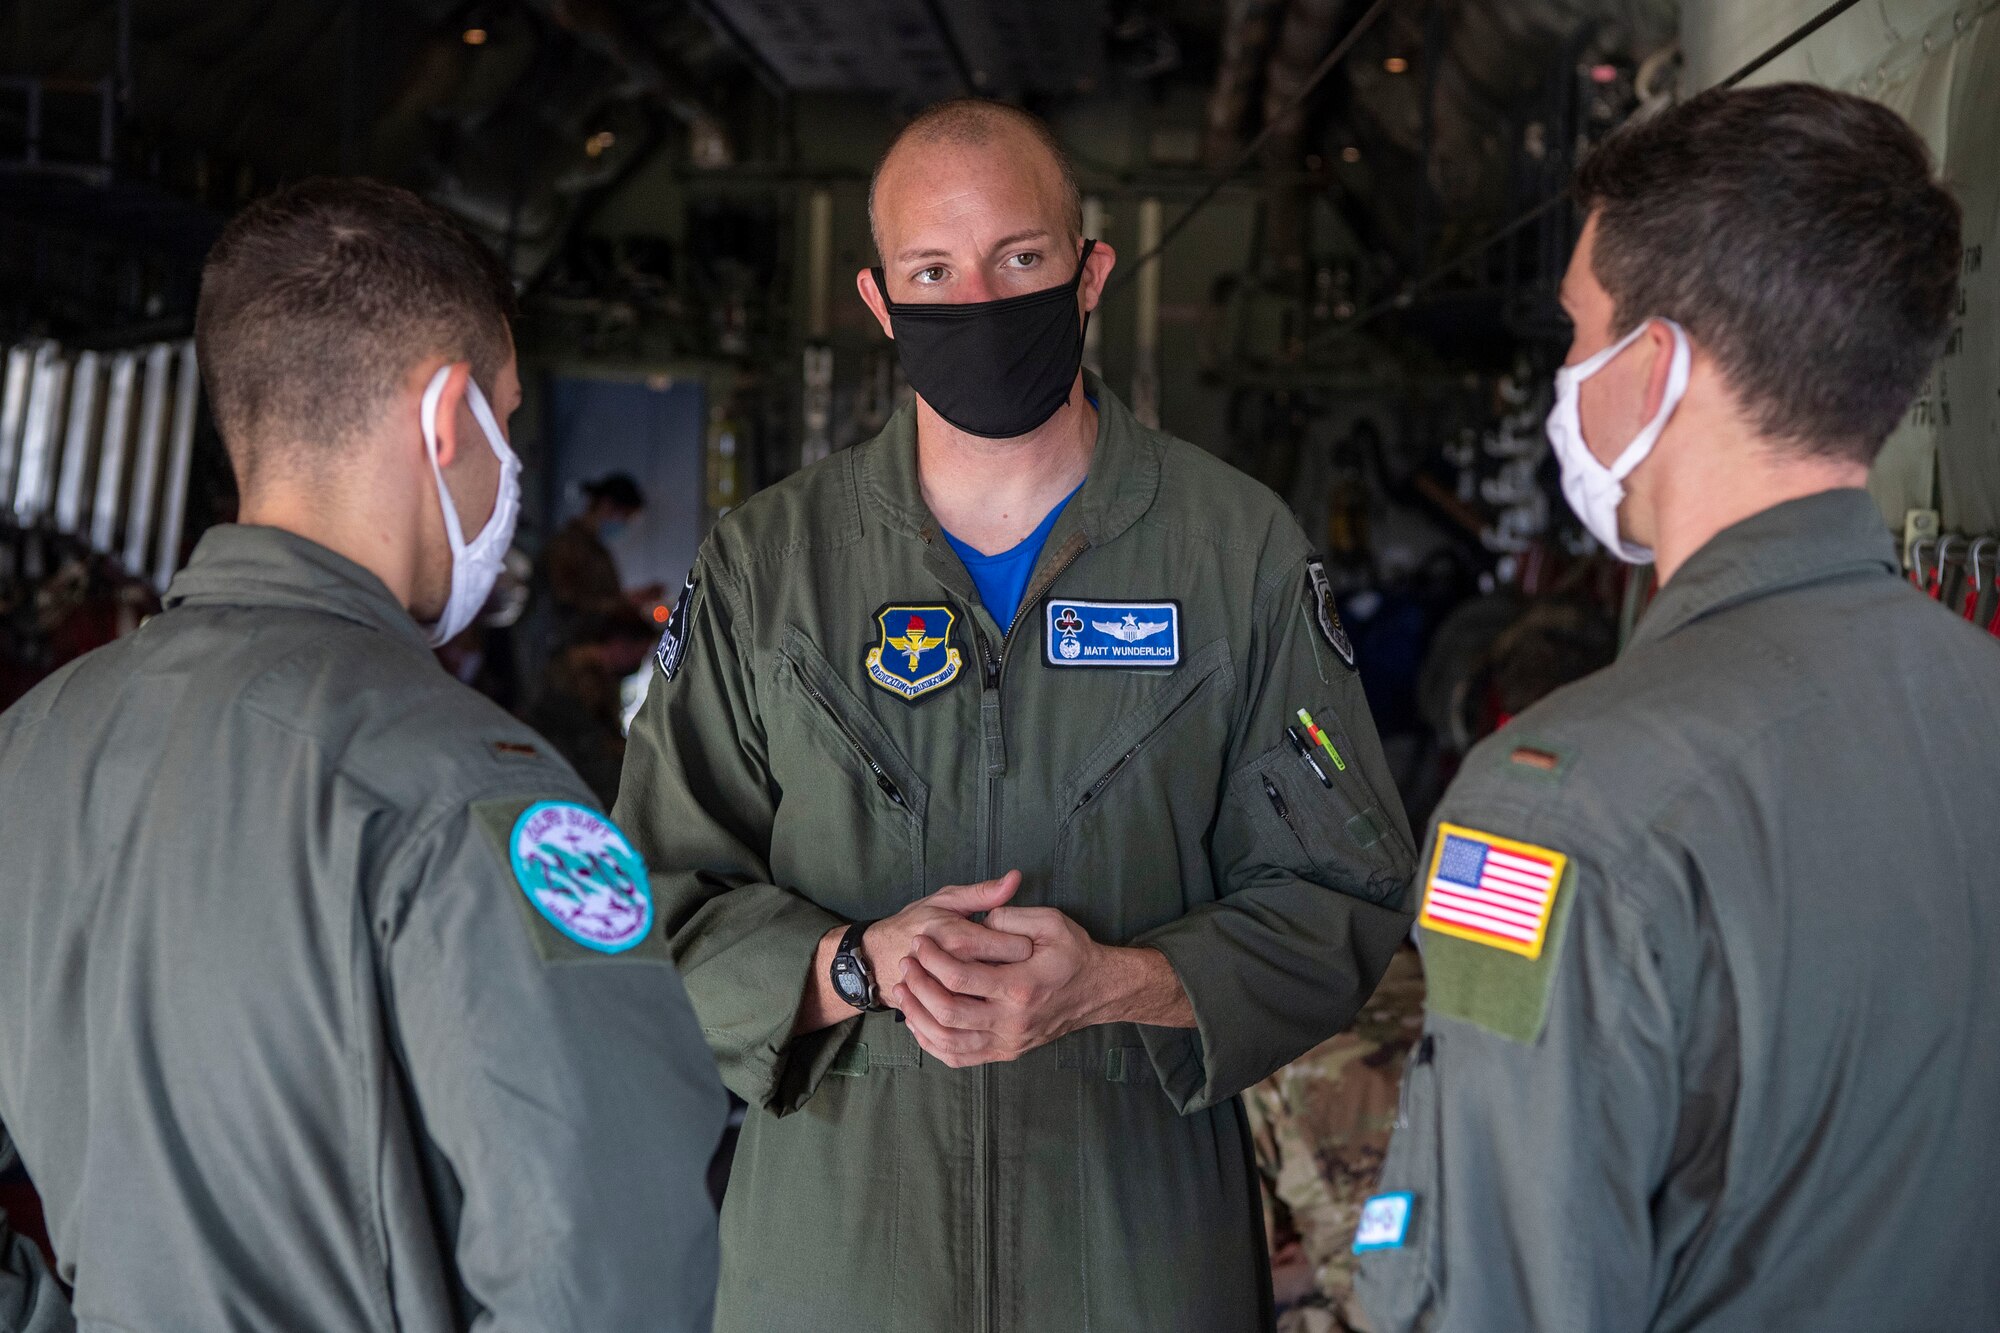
(864, 282)
(1659, 340)
(451, 402)
(1097, 272)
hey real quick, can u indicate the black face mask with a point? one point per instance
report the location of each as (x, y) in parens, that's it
(993, 368)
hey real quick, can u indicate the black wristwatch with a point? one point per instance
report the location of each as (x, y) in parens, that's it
(851, 980)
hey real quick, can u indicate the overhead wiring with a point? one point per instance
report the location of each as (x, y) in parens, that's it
(1407, 296)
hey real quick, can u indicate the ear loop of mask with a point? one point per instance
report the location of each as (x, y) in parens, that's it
(1641, 445)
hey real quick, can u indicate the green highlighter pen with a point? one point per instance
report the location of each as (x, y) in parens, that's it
(1312, 730)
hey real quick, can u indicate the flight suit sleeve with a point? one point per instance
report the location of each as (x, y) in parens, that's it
(556, 1065)
(1537, 1120)
(1313, 877)
(698, 798)
(31, 1301)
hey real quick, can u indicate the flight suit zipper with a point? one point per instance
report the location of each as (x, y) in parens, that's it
(995, 669)
(881, 774)
(1090, 793)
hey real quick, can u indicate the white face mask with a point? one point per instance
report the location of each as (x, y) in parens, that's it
(475, 566)
(1593, 490)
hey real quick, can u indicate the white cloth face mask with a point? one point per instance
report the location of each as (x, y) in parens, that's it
(1593, 490)
(475, 565)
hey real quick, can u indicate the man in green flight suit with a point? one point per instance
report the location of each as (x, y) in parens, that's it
(328, 997)
(1709, 936)
(1020, 656)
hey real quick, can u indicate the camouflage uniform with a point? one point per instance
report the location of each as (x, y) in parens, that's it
(1321, 1126)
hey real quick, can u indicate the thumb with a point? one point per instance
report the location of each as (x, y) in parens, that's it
(984, 896)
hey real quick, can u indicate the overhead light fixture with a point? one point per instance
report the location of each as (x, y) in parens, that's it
(1396, 64)
(1350, 154)
(475, 36)
(598, 144)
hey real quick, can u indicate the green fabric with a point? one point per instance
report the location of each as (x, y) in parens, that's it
(1752, 1085)
(1104, 1181)
(272, 1036)
(1502, 992)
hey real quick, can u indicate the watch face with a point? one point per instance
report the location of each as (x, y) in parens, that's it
(847, 979)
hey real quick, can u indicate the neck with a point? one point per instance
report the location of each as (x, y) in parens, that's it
(992, 493)
(335, 518)
(1730, 475)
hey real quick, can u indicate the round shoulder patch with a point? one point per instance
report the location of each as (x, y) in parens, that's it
(582, 875)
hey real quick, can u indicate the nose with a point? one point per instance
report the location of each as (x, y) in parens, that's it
(977, 286)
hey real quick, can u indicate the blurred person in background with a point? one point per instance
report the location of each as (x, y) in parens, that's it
(579, 706)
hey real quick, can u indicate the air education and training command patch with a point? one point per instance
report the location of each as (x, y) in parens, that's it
(582, 875)
(1493, 919)
(914, 656)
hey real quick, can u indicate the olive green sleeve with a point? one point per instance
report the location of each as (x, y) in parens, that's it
(1533, 1152)
(30, 1299)
(1313, 878)
(567, 1089)
(698, 800)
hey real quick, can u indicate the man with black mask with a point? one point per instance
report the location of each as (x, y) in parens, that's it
(1015, 805)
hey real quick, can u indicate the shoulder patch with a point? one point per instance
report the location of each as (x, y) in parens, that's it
(673, 641)
(1492, 920)
(1491, 890)
(584, 888)
(1319, 591)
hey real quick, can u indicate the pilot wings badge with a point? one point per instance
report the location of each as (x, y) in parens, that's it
(914, 656)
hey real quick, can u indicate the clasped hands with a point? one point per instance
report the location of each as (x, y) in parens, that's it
(977, 993)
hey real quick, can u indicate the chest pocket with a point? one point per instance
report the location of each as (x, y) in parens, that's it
(1130, 850)
(851, 815)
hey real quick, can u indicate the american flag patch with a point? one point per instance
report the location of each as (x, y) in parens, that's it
(1491, 890)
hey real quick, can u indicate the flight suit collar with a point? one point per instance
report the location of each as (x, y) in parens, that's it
(1124, 475)
(1834, 534)
(237, 564)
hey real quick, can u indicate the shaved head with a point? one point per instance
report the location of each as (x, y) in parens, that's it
(975, 127)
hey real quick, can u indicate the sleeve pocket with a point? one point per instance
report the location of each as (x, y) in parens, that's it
(1400, 1286)
(1319, 831)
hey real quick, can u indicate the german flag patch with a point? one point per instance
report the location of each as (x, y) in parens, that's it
(1491, 890)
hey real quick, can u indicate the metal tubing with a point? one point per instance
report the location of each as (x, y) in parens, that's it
(38, 436)
(146, 461)
(85, 381)
(13, 410)
(173, 509)
(112, 449)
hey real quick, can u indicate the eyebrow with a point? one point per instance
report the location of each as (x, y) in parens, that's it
(1038, 233)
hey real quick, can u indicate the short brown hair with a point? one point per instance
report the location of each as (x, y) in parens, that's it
(975, 120)
(319, 298)
(1799, 235)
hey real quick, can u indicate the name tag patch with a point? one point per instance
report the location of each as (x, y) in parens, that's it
(1112, 634)
(1385, 1222)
